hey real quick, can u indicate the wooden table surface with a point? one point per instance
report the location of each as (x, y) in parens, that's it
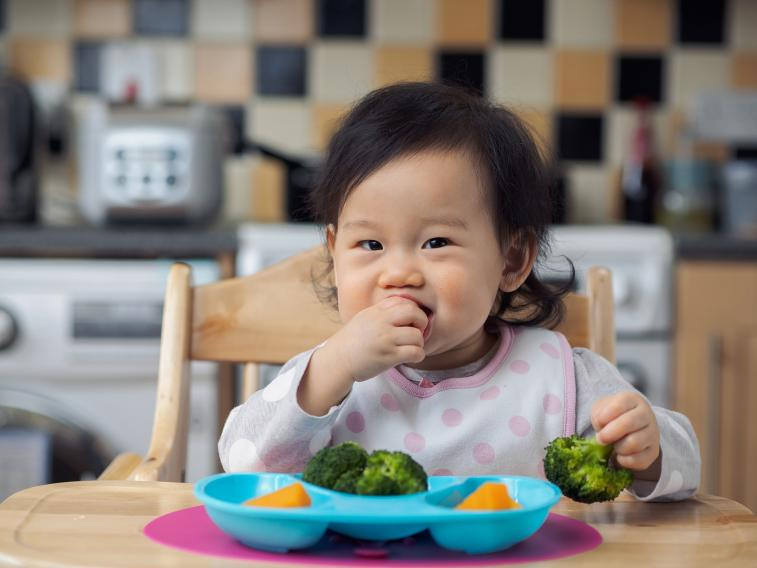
(99, 523)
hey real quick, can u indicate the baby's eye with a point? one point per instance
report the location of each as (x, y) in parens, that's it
(370, 245)
(436, 242)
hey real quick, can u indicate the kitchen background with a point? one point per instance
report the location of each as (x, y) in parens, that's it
(99, 194)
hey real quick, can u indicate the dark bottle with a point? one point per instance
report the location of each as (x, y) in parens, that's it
(641, 181)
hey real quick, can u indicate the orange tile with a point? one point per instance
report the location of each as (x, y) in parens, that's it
(403, 63)
(48, 59)
(643, 24)
(283, 20)
(325, 122)
(540, 123)
(465, 23)
(102, 18)
(222, 73)
(582, 80)
(744, 70)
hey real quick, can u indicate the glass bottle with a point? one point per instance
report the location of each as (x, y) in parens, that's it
(641, 180)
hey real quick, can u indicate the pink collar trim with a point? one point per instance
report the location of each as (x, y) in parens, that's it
(507, 335)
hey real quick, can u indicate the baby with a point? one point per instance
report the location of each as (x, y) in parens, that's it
(436, 205)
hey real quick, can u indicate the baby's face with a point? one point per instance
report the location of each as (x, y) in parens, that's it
(420, 227)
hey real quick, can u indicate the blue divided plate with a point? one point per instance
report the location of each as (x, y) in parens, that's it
(375, 518)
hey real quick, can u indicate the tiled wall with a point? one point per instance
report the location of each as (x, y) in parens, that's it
(288, 68)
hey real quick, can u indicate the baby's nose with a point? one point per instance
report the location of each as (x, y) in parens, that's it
(401, 273)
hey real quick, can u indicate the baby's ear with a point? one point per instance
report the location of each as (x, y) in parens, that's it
(330, 238)
(520, 257)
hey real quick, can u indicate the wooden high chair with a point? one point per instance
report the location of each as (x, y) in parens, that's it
(268, 317)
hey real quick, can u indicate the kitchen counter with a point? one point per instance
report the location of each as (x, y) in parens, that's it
(715, 247)
(117, 242)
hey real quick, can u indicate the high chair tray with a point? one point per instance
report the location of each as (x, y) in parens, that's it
(375, 517)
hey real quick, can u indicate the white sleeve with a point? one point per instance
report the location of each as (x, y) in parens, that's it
(270, 432)
(681, 460)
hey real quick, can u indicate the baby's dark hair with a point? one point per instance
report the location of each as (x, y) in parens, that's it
(408, 118)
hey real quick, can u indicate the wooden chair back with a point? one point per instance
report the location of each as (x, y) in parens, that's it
(269, 317)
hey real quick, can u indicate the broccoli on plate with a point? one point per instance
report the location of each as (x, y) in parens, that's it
(580, 468)
(348, 468)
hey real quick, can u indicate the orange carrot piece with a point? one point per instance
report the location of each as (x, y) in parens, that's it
(290, 496)
(489, 496)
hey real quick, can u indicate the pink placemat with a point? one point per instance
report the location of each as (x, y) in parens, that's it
(192, 530)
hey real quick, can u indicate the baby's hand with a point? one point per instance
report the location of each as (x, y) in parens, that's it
(380, 337)
(627, 421)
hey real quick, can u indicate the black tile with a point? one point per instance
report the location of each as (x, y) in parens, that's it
(579, 137)
(281, 70)
(342, 18)
(701, 21)
(87, 66)
(161, 17)
(2, 16)
(235, 122)
(521, 20)
(462, 68)
(640, 77)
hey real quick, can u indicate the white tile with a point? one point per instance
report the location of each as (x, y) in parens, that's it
(403, 21)
(620, 124)
(341, 72)
(237, 188)
(38, 17)
(221, 19)
(582, 23)
(284, 124)
(590, 192)
(743, 24)
(176, 66)
(521, 75)
(693, 71)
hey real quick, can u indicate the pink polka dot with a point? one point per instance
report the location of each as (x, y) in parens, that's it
(552, 404)
(414, 442)
(389, 402)
(283, 457)
(442, 472)
(490, 393)
(483, 453)
(519, 426)
(355, 422)
(452, 417)
(519, 366)
(550, 350)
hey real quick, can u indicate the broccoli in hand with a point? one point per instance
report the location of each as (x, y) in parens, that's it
(330, 464)
(580, 468)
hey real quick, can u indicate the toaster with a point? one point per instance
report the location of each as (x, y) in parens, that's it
(150, 165)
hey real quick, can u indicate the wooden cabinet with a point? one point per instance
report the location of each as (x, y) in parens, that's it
(715, 368)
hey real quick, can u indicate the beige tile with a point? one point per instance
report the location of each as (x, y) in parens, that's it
(582, 80)
(237, 188)
(581, 23)
(326, 119)
(220, 19)
(176, 63)
(541, 125)
(468, 23)
(341, 72)
(282, 123)
(644, 24)
(268, 191)
(744, 70)
(589, 193)
(284, 21)
(695, 70)
(521, 75)
(102, 18)
(403, 63)
(39, 18)
(222, 72)
(45, 59)
(403, 21)
(742, 20)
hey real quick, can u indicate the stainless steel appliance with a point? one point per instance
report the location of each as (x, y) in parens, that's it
(18, 173)
(640, 257)
(148, 165)
(79, 344)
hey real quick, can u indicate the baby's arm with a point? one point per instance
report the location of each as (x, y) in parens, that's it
(269, 431)
(679, 464)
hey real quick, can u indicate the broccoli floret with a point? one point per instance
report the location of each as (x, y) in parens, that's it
(391, 473)
(328, 465)
(347, 481)
(580, 468)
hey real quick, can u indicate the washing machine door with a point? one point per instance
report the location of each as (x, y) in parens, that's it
(41, 442)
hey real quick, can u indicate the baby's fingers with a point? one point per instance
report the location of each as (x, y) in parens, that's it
(625, 424)
(638, 461)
